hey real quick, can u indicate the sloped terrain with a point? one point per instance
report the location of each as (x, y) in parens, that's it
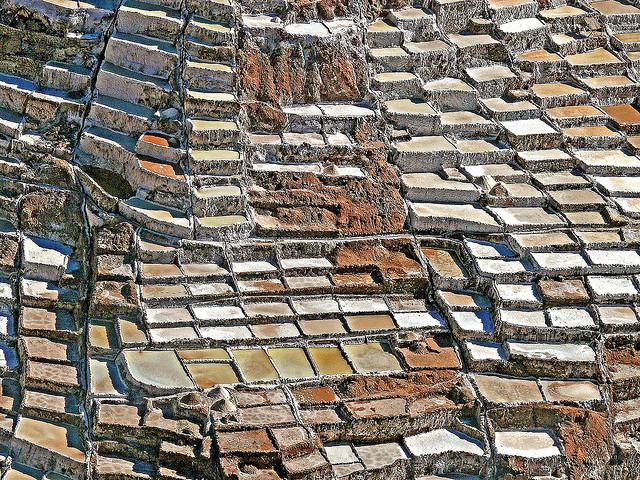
(319, 239)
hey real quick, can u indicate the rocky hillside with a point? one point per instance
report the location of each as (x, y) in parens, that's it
(319, 239)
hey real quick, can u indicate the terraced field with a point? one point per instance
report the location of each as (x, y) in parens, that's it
(319, 239)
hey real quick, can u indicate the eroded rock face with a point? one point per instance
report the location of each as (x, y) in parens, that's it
(9, 249)
(54, 214)
(24, 46)
(260, 73)
(116, 238)
(588, 444)
(113, 298)
(49, 170)
(265, 117)
(306, 10)
(328, 70)
(374, 8)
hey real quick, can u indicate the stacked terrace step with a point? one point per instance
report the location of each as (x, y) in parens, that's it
(58, 93)
(14, 94)
(72, 37)
(67, 16)
(211, 107)
(45, 73)
(211, 104)
(176, 177)
(403, 47)
(415, 75)
(210, 32)
(134, 131)
(48, 349)
(445, 140)
(461, 135)
(517, 24)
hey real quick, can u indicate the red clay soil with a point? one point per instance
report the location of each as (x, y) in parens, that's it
(587, 445)
(324, 72)
(260, 73)
(627, 355)
(264, 117)
(335, 210)
(416, 385)
(155, 140)
(393, 264)
(314, 395)
(585, 436)
(330, 73)
(307, 204)
(257, 441)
